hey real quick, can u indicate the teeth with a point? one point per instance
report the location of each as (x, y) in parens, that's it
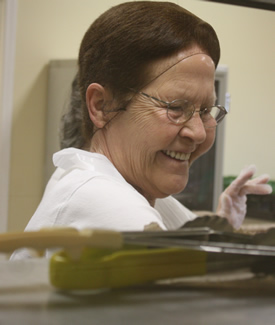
(177, 155)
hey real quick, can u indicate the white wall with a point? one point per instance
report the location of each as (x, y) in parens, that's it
(248, 46)
(53, 29)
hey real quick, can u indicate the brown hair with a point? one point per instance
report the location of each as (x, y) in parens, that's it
(119, 46)
(70, 133)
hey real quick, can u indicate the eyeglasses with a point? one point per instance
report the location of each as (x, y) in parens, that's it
(180, 111)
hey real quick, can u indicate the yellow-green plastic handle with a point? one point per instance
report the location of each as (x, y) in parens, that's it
(101, 268)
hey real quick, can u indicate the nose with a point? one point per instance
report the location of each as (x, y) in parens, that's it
(194, 129)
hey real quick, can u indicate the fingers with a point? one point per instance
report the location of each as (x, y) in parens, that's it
(232, 203)
(236, 186)
(257, 186)
(245, 174)
(259, 189)
(243, 185)
(263, 179)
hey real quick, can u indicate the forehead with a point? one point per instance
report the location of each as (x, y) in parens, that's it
(189, 74)
(186, 62)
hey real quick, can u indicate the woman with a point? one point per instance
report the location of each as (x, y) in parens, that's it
(146, 78)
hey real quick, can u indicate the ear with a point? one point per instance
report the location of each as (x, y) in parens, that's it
(96, 98)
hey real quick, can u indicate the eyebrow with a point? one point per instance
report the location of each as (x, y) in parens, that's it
(211, 100)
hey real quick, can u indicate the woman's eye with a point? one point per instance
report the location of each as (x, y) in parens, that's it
(175, 112)
(178, 105)
(175, 108)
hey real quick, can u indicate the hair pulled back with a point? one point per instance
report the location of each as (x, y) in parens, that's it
(119, 46)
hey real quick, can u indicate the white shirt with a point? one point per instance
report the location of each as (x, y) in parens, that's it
(87, 191)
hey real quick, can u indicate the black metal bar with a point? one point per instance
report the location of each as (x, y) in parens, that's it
(266, 5)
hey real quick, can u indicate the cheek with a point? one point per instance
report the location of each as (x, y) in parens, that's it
(149, 126)
(136, 141)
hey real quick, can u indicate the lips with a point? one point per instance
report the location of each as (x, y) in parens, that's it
(177, 155)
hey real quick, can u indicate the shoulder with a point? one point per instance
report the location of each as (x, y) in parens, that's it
(106, 202)
(82, 199)
(90, 192)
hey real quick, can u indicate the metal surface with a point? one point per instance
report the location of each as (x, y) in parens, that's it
(208, 240)
(197, 238)
(26, 298)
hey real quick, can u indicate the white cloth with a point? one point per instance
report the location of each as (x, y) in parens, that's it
(87, 191)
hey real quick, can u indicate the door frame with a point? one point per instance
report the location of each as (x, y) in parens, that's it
(8, 14)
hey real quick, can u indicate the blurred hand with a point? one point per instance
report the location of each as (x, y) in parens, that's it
(232, 202)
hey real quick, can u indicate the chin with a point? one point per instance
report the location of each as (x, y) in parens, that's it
(176, 188)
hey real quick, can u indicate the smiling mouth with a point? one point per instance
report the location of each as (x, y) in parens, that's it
(177, 155)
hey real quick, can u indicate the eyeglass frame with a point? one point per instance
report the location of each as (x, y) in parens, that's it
(200, 111)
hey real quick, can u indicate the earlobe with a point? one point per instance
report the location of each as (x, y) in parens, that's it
(95, 101)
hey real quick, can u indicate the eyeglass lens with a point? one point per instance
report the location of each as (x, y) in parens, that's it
(180, 111)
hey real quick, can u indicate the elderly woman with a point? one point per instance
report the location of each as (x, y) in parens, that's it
(146, 78)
